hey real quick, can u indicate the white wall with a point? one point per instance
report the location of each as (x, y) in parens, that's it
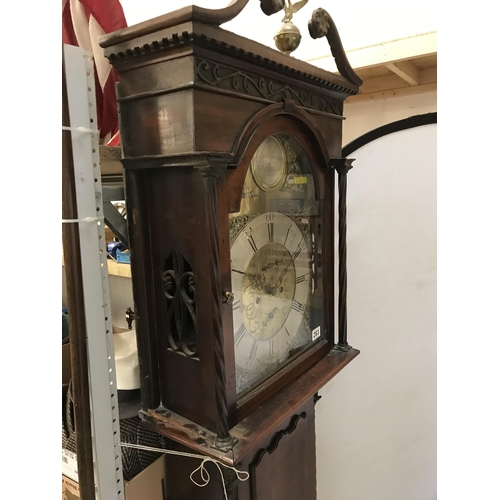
(362, 117)
(361, 23)
(120, 290)
(376, 422)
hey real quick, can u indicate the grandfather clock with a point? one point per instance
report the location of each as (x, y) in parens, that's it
(230, 152)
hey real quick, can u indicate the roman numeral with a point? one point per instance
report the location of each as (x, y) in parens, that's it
(252, 243)
(271, 348)
(236, 305)
(302, 246)
(253, 351)
(239, 334)
(300, 279)
(270, 230)
(286, 237)
(298, 307)
(287, 332)
(236, 271)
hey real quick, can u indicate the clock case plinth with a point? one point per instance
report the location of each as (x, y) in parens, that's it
(274, 444)
(195, 101)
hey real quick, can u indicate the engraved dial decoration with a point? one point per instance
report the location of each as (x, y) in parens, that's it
(271, 279)
(277, 306)
(269, 164)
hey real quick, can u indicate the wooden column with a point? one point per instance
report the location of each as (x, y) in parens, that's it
(342, 166)
(211, 175)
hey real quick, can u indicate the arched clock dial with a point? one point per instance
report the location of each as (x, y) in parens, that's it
(271, 277)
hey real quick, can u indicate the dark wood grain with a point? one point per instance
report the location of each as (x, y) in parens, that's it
(342, 166)
(211, 175)
(163, 38)
(271, 477)
(189, 13)
(288, 400)
(260, 424)
(322, 24)
(227, 308)
(273, 444)
(180, 222)
(281, 464)
(140, 248)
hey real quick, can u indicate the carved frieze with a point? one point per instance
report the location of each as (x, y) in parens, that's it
(230, 79)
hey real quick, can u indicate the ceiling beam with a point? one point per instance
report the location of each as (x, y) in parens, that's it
(406, 70)
(393, 82)
(412, 47)
(387, 94)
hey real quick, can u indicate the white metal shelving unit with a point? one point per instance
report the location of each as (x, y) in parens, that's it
(101, 362)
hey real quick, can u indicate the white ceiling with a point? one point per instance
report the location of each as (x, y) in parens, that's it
(392, 68)
(361, 23)
(392, 45)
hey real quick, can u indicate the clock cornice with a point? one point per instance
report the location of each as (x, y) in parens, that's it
(136, 45)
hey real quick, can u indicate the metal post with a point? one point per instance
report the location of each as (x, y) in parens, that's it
(76, 318)
(101, 365)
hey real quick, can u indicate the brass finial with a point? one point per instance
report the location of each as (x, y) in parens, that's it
(291, 9)
(287, 38)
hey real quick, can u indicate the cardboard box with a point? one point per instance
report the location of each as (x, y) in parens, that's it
(70, 489)
(150, 484)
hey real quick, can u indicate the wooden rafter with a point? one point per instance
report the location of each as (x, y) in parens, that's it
(398, 67)
(406, 70)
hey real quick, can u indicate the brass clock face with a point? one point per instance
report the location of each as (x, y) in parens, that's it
(277, 307)
(271, 279)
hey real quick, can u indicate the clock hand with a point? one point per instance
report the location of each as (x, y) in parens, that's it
(270, 316)
(277, 284)
(257, 280)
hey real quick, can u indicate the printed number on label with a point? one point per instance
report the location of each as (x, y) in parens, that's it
(316, 333)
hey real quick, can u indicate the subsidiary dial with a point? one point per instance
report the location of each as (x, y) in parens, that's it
(269, 164)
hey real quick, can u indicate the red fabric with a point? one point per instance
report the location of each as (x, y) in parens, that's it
(108, 13)
(68, 34)
(110, 17)
(115, 140)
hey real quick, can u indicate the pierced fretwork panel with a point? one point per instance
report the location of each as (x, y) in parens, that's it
(179, 290)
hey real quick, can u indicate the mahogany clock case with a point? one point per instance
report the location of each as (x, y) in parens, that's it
(195, 103)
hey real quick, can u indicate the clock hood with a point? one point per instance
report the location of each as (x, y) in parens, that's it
(193, 27)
